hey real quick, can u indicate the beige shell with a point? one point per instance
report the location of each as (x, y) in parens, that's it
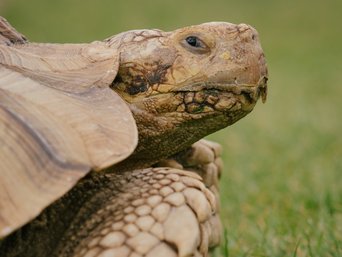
(58, 120)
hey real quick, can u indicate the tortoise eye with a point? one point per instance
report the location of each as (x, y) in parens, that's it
(193, 41)
(195, 45)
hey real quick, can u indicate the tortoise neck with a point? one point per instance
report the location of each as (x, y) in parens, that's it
(161, 137)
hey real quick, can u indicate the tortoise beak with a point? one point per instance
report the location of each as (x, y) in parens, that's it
(262, 88)
(262, 84)
(253, 92)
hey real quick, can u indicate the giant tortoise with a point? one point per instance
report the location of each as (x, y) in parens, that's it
(98, 152)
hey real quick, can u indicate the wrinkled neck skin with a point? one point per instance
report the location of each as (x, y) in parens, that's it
(161, 137)
(179, 93)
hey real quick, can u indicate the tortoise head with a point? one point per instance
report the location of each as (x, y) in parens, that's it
(186, 84)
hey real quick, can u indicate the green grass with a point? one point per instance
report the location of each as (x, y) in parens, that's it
(282, 186)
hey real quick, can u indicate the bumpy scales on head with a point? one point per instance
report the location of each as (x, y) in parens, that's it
(186, 84)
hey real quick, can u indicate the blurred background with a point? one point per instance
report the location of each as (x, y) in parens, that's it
(282, 185)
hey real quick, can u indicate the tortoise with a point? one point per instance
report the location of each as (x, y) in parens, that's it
(101, 151)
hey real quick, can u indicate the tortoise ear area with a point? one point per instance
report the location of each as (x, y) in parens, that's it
(138, 79)
(132, 86)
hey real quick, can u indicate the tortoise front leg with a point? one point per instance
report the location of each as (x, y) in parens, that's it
(203, 158)
(156, 212)
(160, 211)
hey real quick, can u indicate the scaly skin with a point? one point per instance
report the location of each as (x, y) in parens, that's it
(180, 86)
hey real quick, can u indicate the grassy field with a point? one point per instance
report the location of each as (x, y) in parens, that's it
(282, 186)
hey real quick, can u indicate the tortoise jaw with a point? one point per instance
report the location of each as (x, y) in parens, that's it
(252, 92)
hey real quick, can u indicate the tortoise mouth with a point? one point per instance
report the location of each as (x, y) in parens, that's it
(200, 99)
(250, 92)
